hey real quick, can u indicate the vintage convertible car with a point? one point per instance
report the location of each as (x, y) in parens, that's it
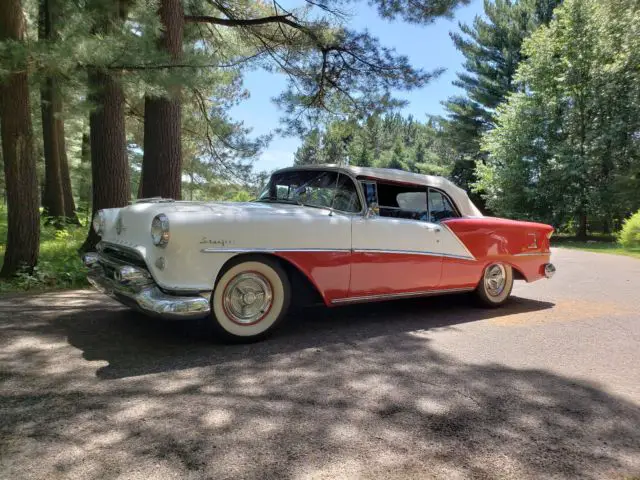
(343, 234)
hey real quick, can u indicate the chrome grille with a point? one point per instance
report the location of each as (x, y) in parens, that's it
(122, 255)
(123, 265)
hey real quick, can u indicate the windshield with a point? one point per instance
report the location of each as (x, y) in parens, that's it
(313, 189)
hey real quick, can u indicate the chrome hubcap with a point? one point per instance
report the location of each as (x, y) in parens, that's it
(495, 279)
(247, 298)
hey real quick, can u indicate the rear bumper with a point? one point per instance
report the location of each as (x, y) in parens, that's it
(133, 286)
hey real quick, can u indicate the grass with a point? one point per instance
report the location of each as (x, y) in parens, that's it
(59, 265)
(596, 244)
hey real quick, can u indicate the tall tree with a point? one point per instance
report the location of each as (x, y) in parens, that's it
(58, 199)
(331, 69)
(492, 50)
(17, 150)
(309, 153)
(381, 140)
(566, 147)
(397, 158)
(109, 166)
(162, 160)
(70, 213)
(84, 174)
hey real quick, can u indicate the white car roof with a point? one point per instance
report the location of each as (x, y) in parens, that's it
(457, 194)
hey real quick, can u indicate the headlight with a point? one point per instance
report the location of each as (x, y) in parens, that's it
(99, 222)
(160, 230)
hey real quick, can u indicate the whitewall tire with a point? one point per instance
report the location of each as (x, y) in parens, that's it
(496, 284)
(250, 298)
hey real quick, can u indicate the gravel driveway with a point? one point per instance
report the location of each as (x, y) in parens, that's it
(548, 386)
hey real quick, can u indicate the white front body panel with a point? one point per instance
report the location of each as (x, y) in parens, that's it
(204, 236)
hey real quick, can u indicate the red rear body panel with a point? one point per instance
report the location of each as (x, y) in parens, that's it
(523, 245)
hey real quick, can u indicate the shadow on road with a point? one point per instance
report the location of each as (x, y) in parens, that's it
(133, 344)
(343, 393)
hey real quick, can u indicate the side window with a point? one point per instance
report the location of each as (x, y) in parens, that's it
(370, 192)
(403, 201)
(440, 206)
(412, 201)
(346, 196)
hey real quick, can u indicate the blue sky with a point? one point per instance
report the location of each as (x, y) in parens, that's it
(428, 47)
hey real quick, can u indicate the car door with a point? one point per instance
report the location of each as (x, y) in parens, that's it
(395, 250)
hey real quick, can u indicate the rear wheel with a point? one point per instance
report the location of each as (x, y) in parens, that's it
(496, 285)
(250, 299)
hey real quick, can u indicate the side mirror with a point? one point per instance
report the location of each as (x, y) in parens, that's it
(372, 210)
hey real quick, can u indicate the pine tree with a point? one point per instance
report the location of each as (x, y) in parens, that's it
(398, 142)
(331, 68)
(564, 150)
(398, 158)
(162, 161)
(309, 153)
(492, 49)
(420, 155)
(18, 152)
(57, 201)
(109, 165)
(364, 157)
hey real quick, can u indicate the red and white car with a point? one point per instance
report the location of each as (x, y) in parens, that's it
(346, 234)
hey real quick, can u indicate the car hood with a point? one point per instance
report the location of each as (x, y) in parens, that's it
(227, 208)
(130, 225)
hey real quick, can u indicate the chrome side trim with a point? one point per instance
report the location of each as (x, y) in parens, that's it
(343, 250)
(391, 296)
(532, 254)
(413, 252)
(272, 250)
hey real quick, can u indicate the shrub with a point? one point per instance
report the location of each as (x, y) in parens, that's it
(629, 236)
(59, 265)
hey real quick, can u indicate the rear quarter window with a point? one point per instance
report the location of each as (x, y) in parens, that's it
(440, 207)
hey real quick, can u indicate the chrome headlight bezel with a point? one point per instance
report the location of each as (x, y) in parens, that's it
(98, 222)
(160, 230)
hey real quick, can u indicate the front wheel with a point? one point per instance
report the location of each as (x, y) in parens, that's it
(496, 285)
(250, 299)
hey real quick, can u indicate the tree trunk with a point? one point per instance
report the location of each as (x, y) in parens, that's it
(23, 236)
(84, 191)
(162, 159)
(58, 200)
(70, 213)
(582, 226)
(53, 197)
(109, 164)
(140, 185)
(111, 185)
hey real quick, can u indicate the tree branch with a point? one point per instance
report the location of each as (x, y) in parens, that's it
(237, 22)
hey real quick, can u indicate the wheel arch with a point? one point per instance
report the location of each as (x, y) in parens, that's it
(304, 289)
(517, 272)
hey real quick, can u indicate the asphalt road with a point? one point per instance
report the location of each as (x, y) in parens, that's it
(548, 386)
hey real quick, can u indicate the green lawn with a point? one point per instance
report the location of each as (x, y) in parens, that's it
(59, 265)
(598, 246)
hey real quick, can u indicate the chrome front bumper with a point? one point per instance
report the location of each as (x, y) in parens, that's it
(134, 287)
